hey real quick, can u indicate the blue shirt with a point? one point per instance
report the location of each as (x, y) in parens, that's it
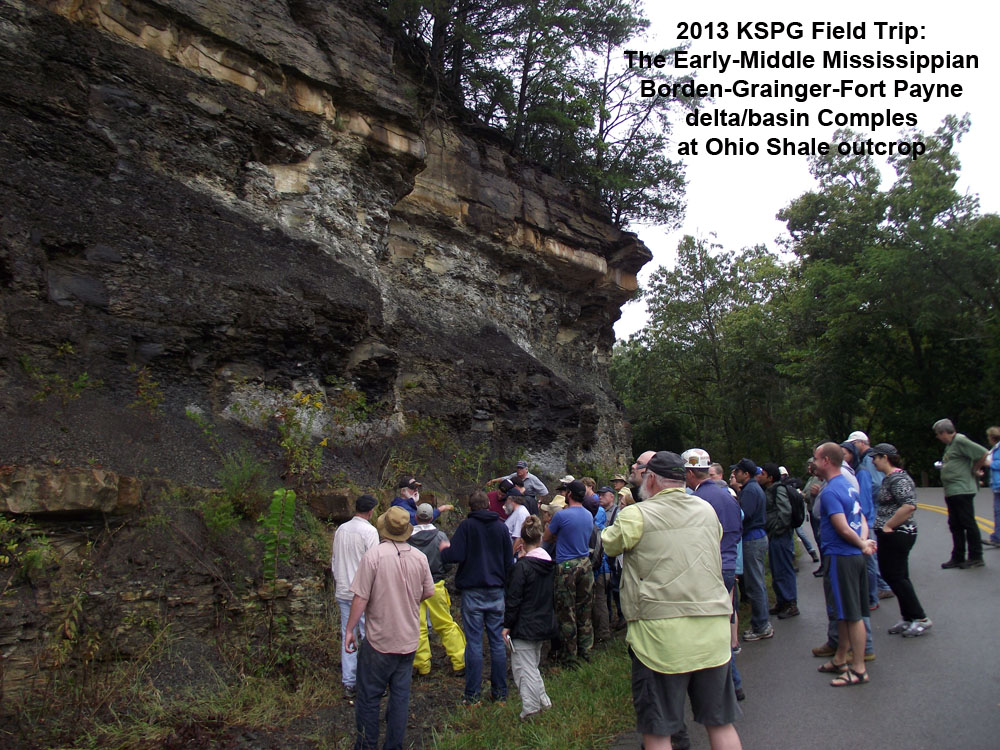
(754, 505)
(572, 527)
(601, 522)
(730, 517)
(839, 497)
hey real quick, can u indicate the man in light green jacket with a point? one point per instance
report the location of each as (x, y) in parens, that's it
(677, 608)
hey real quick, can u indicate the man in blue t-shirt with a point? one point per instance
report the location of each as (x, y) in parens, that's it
(572, 528)
(842, 533)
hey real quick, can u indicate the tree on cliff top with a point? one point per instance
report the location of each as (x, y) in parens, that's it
(554, 79)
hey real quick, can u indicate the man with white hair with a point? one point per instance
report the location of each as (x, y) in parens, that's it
(675, 600)
(960, 466)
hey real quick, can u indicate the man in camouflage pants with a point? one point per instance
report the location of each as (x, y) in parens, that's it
(572, 528)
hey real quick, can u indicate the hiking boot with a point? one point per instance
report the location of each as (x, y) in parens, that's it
(753, 635)
(974, 563)
(790, 611)
(458, 672)
(776, 609)
(349, 693)
(886, 594)
(952, 564)
(824, 651)
(899, 627)
(918, 627)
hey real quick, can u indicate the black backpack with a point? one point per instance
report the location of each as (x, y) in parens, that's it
(798, 503)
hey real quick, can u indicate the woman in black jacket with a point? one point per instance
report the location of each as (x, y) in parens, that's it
(530, 617)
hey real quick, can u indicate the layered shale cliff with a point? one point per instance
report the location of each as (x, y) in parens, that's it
(233, 194)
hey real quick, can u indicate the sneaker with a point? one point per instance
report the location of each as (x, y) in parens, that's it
(814, 556)
(918, 627)
(458, 672)
(952, 564)
(899, 627)
(818, 573)
(824, 651)
(753, 635)
(991, 542)
(886, 594)
(776, 609)
(873, 606)
(740, 695)
(349, 693)
(974, 563)
(470, 701)
(790, 611)
(869, 655)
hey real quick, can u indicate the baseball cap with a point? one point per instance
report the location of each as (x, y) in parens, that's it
(857, 435)
(409, 482)
(522, 464)
(425, 512)
(577, 489)
(696, 458)
(364, 503)
(567, 479)
(885, 449)
(605, 489)
(745, 464)
(666, 464)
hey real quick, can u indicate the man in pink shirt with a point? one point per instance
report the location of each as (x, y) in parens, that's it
(392, 579)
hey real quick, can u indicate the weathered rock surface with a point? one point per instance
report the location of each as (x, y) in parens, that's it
(208, 188)
(39, 490)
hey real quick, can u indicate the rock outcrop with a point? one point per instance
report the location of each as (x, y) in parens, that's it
(257, 192)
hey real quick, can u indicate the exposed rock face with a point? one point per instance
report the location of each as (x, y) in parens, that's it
(255, 192)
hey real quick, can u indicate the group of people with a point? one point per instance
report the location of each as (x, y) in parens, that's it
(664, 551)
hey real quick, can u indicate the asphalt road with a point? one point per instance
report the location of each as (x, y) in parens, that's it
(938, 691)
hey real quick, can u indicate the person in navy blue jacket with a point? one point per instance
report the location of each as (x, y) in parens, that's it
(482, 548)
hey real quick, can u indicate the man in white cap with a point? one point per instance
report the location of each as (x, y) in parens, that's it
(866, 462)
(392, 579)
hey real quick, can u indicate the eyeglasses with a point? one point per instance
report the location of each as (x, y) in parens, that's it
(639, 467)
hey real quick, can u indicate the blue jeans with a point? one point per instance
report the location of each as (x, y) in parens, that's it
(873, 577)
(995, 536)
(754, 552)
(805, 539)
(781, 553)
(729, 579)
(376, 671)
(484, 608)
(348, 662)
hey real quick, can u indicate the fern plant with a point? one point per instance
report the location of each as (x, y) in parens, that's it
(277, 532)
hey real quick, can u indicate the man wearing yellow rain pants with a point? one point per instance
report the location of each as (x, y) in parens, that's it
(427, 538)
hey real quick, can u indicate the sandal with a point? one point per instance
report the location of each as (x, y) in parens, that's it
(832, 667)
(849, 678)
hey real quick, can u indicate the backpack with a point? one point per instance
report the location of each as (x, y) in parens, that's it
(798, 503)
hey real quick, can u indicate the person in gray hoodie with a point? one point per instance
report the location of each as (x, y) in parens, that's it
(427, 538)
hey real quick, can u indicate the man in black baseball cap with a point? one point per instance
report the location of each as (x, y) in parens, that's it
(407, 497)
(754, 503)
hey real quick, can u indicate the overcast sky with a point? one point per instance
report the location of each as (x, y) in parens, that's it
(735, 197)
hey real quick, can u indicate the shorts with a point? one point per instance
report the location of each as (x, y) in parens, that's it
(846, 585)
(659, 698)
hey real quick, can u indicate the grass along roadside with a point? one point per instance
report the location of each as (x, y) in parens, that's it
(590, 706)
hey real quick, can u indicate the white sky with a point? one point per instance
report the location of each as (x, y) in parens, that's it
(737, 197)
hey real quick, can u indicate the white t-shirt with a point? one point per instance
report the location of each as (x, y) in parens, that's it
(350, 543)
(515, 520)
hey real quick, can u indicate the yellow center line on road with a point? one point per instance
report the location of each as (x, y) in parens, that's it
(984, 524)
